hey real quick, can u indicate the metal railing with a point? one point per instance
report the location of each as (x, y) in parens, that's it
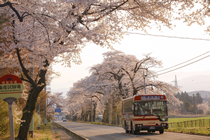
(191, 123)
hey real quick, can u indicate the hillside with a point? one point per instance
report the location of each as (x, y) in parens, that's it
(204, 94)
(195, 83)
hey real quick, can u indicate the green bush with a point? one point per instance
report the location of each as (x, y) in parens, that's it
(4, 118)
(37, 120)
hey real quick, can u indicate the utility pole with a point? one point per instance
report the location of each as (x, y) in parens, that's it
(144, 82)
(175, 82)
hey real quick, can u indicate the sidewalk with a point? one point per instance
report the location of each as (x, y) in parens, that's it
(63, 135)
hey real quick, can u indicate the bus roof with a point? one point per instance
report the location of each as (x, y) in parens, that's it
(147, 97)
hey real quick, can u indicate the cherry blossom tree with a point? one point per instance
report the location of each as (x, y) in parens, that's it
(127, 72)
(43, 30)
(80, 96)
(55, 99)
(199, 12)
(204, 106)
(118, 76)
(52, 102)
(110, 72)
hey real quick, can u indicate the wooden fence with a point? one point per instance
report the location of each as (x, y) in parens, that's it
(191, 123)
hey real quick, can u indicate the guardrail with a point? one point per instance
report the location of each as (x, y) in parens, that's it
(78, 136)
(191, 123)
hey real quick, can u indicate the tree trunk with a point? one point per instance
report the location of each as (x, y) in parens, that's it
(135, 91)
(28, 112)
(94, 111)
(36, 87)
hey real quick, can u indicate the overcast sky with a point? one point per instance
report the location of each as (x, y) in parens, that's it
(170, 51)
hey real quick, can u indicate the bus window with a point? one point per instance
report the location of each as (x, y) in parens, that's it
(150, 108)
(138, 109)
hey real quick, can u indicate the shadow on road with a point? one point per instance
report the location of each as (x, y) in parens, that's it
(122, 136)
(146, 133)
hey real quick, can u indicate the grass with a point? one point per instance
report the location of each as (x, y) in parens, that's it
(198, 131)
(189, 130)
(44, 133)
(170, 120)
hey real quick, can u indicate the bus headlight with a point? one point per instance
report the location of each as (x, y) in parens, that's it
(163, 119)
(163, 124)
(139, 125)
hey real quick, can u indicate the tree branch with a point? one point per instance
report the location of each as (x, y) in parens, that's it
(99, 92)
(16, 12)
(42, 74)
(110, 11)
(25, 71)
(96, 97)
(24, 80)
(131, 78)
(115, 75)
(141, 64)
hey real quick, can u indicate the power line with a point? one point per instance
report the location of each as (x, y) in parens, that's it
(183, 66)
(184, 62)
(177, 38)
(171, 36)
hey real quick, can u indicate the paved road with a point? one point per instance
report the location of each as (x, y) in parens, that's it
(102, 132)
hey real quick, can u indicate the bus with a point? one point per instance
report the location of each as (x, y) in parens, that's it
(145, 112)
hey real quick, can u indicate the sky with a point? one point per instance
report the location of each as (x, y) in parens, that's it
(171, 51)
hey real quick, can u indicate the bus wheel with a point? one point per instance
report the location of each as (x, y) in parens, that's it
(126, 128)
(132, 130)
(161, 131)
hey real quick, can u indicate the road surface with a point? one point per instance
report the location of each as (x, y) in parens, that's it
(102, 132)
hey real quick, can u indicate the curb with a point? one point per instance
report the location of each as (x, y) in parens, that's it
(52, 129)
(80, 137)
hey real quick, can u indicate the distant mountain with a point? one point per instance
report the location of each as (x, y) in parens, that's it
(62, 86)
(195, 83)
(63, 90)
(204, 94)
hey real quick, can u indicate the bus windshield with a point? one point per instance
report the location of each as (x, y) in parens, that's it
(158, 108)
